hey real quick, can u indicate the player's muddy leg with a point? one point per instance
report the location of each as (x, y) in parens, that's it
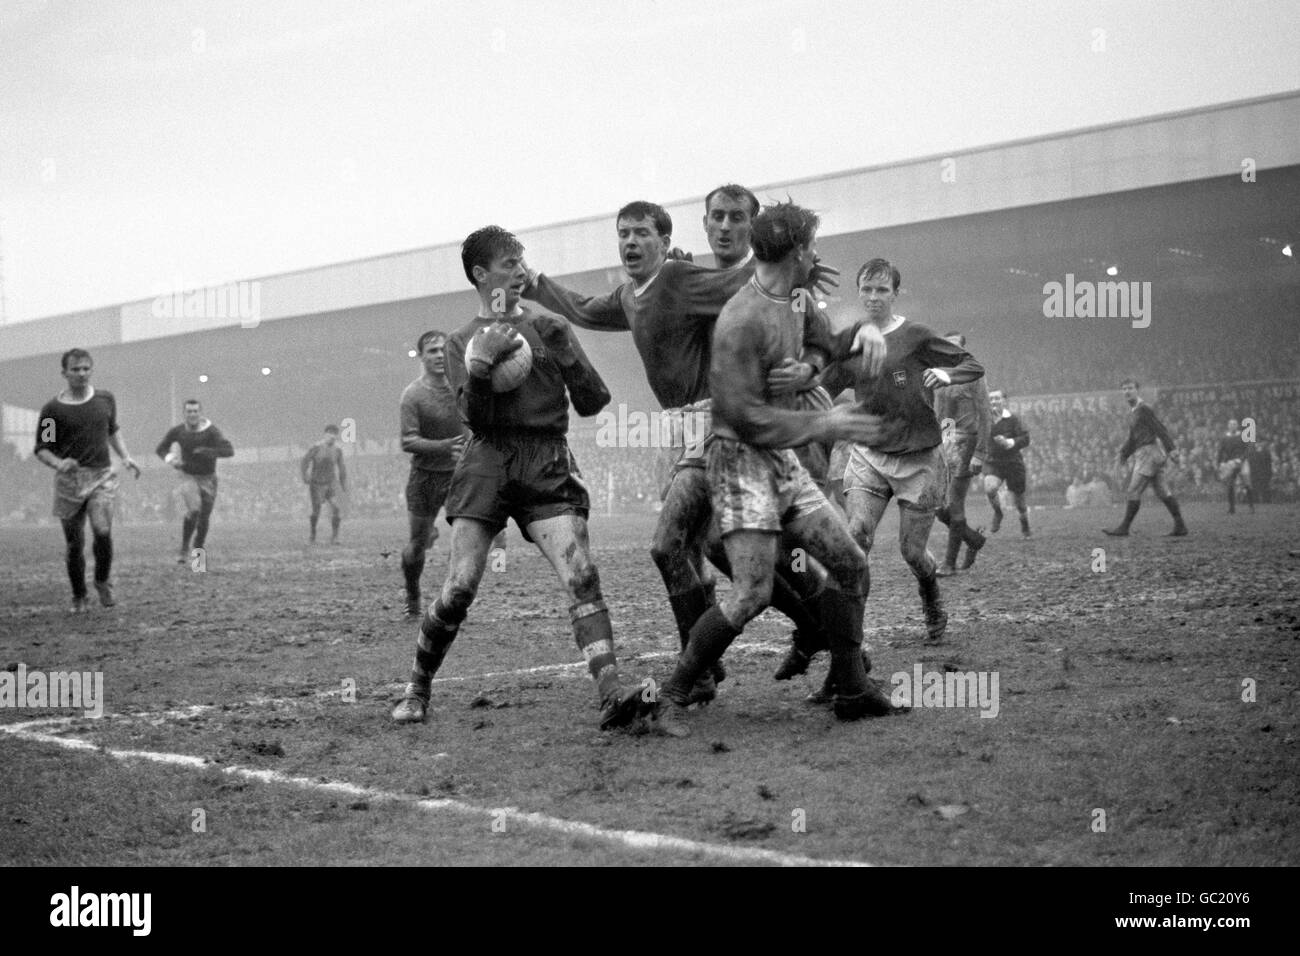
(682, 523)
(914, 526)
(1162, 492)
(422, 530)
(100, 511)
(74, 538)
(825, 536)
(315, 514)
(187, 532)
(751, 556)
(1231, 484)
(1023, 509)
(563, 540)
(991, 486)
(336, 518)
(1131, 506)
(470, 541)
(865, 511)
(204, 517)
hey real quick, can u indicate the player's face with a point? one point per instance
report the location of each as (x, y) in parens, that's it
(878, 295)
(641, 247)
(77, 374)
(434, 357)
(504, 279)
(995, 402)
(805, 257)
(727, 225)
(193, 415)
(1130, 394)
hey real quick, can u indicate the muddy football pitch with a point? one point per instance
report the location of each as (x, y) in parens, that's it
(1131, 701)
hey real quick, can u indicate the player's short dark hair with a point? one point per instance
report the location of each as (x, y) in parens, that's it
(483, 245)
(331, 429)
(191, 401)
(961, 339)
(431, 334)
(640, 209)
(1130, 381)
(72, 354)
(874, 267)
(738, 193)
(781, 227)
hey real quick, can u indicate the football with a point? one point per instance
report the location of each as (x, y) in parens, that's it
(510, 372)
(174, 455)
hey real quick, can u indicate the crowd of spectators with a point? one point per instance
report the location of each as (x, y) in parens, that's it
(1071, 461)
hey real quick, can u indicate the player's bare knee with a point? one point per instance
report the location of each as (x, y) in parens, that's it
(583, 579)
(458, 595)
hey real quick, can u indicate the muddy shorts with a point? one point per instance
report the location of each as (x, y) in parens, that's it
(91, 488)
(918, 479)
(1012, 472)
(521, 475)
(197, 490)
(758, 489)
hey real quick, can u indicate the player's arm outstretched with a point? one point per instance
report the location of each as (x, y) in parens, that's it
(587, 390)
(602, 313)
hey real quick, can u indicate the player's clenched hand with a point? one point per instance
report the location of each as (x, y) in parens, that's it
(790, 376)
(675, 253)
(935, 377)
(495, 342)
(554, 333)
(822, 278)
(870, 341)
(847, 423)
(66, 465)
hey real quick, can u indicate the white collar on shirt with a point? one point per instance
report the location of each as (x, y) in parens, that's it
(894, 325)
(90, 393)
(637, 290)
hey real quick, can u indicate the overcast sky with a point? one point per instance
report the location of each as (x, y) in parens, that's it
(144, 143)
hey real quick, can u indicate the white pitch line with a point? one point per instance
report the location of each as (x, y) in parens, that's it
(632, 839)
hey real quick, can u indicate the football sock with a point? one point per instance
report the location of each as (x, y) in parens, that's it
(843, 613)
(102, 546)
(312, 519)
(1130, 512)
(334, 525)
(687, 607)
(76, 558)
(187, 531)
(710, 638)
(437, 631)
(956, 535)
(595, 638)
(412, 568)
(803, 612)
(201, 527)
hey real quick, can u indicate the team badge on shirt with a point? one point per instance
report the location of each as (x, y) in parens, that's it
(900, 377)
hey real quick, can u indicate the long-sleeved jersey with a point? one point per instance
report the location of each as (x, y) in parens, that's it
(1144, 428)
(200, 447)
(1008, 426)
(540, 403)
(80, 431)
(756, 332)
(968, 407)
(428, 415)
(671, 318)
(1232, 448)
(323, 465)
(897, 393)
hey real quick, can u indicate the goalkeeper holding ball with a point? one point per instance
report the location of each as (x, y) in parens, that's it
(517, 465)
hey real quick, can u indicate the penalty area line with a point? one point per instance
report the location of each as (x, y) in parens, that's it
(642, 840)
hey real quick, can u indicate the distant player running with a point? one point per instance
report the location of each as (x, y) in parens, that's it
(201, 444)
(518, 465)
(760, 491)
(670, 307)
(434, 435)
(326, 477)
(963, 413)
(1008, 437)
(1151, 447)
(73, 435)
(907, 462)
